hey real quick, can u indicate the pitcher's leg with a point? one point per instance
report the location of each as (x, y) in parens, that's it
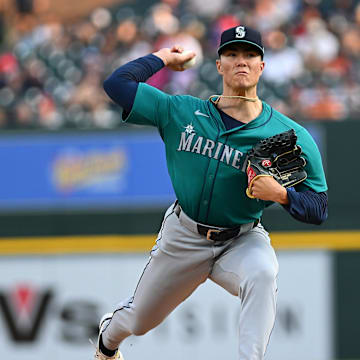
(175, 270)
(248, 269)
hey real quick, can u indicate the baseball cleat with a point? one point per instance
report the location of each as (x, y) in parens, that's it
(98, 354)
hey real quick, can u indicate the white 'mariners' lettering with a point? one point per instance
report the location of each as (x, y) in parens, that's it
(219, 146)
(185, 143)
(227, 153)
(209, 145)
(197, 145)
(237, 159)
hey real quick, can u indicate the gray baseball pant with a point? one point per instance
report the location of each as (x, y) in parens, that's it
(245, 266)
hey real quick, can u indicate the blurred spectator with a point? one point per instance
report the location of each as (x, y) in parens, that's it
(317, 45)
(320, 103)
(272, 14)
(51, 72)
(283, 63)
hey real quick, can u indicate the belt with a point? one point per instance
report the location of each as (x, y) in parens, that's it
(213, 233)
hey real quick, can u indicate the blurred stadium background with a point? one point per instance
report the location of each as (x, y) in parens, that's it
(82, 195)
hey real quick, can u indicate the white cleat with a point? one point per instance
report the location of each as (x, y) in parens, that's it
(98, 355)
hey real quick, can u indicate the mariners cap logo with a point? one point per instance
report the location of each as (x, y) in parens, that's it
(240, 32)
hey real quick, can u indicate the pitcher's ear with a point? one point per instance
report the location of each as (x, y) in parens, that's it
(218, 66)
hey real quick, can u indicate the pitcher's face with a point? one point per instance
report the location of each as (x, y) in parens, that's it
(240, 66)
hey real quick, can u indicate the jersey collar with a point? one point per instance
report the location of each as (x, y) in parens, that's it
(261, 120)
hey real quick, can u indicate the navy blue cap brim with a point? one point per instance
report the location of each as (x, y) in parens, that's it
(243, 41)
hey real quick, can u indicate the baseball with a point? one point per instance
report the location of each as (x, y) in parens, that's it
(189, 64)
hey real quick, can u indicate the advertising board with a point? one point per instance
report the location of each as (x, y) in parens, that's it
(93, 171)
(50, 306)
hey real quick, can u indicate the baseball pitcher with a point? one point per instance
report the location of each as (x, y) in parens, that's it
(228, 158)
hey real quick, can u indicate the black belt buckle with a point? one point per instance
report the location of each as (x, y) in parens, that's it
(217, 235)
(211, 231)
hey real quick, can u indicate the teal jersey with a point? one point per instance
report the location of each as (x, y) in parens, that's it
(205, 160)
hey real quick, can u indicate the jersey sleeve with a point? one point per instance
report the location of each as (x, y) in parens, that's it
(151, 107)
(315, 172)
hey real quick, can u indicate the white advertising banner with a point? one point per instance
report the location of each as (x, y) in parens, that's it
(50, 306)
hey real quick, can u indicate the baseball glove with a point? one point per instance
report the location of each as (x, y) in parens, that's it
(277, 156)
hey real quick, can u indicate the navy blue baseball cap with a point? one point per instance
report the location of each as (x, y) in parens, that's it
(241, 34)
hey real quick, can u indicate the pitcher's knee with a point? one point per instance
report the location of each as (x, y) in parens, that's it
(140, 328)
(263, 276)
